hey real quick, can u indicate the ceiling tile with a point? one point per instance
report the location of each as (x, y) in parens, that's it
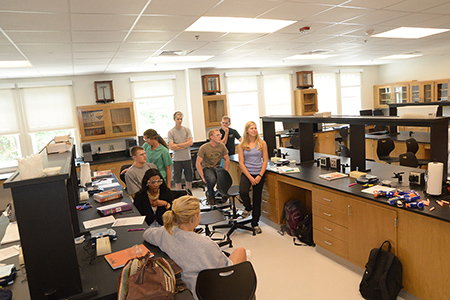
(152, 36)
(36, 5)
(33, 21)
(409, 20)
(377, 17)
(149, 46)
(95, 47)
(416, 5)
(39, 36)
(170, 23)
(107, 6)
(444, 8)
(98, 36)
(372, 4)
(338, 14)
(95, 22)
(44, 47)
(180, 7)
(243, 9)
(294, 11)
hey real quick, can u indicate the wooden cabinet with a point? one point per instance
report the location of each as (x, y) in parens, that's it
(106, 121)
(305, 79)
(211, 84)
(214, 107)
(392, 93)
(269, 207)
(324, 142)
(441, 90)
(351, 227)
(305, 102)
(422, 91)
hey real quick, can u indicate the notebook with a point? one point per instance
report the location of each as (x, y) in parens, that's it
(119, 258)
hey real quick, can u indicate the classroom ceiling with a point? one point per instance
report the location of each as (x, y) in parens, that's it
(79, 37)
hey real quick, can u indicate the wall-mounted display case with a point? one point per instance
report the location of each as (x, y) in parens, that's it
(305, 79)
(211, 84)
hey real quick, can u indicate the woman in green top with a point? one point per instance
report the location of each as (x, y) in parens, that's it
(157, 152)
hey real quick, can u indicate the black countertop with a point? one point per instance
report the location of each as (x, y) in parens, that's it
(309, 172)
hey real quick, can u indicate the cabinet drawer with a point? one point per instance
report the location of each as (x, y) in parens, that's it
(331, 214)
(329, 198)
(330, 243)
(270, 213)
(330, 228)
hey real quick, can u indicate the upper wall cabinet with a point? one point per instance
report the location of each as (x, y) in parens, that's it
(106, 121)
(441, 89)
(215, 107)
(422, 91)
(211, 84)
(305, 102)
(391, 93)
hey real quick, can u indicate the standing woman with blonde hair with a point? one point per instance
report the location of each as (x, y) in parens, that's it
(157, 152)
(253, 159)
(191, 251)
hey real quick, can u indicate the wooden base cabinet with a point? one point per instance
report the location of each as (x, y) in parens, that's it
(269, 206)
(350, 227)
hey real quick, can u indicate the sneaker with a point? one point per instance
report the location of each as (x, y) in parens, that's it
(246, 213)
(257, 229)
(248, 254)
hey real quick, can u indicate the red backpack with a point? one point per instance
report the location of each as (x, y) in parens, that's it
(292, 214)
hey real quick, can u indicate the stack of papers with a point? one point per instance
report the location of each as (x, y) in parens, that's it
(286, 169)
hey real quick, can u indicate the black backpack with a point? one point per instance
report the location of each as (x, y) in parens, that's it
(304, 232)
(293, 215)
(382, 279)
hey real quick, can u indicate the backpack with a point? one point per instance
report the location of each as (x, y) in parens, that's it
(304, 232)
(292, 214)
(382, 279)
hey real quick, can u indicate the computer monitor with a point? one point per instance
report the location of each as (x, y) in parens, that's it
(291, 125)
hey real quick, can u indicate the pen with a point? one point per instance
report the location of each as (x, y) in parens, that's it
(352, 184)
(136, 229)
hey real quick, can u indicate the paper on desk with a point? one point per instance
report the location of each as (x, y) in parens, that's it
(378, 188)
(11, 233)
(109, 185)
(98, 222)
(129, 221)
(6, 253)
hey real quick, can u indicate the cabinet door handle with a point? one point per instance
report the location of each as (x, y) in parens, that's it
(328, 215)
(329, 229)
(348, 210)
(328, 243)
(328, 200)
(265, 201)
(265, 212)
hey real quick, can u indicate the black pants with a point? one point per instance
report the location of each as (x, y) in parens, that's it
(244, 191)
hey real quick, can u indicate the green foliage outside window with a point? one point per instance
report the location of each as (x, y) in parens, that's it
(8, 148)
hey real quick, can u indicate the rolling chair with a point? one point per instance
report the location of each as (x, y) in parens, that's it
(236, 282)
(384, 148)
(122, 176)
(224, 185)
(212, 217)
(408, 159)
(413, 146)
(344, 151)
(343, 135)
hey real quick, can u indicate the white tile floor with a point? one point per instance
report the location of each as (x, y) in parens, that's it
(289, 272)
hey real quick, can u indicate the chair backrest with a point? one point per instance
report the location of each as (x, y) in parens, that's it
(236, 282)
(385, 147)
(343, 132)
(380, 128)
(224, 181)
(295, 141)
(344, 151)
(412, 146)
(122, 176)
(178, 193)
(408, 159)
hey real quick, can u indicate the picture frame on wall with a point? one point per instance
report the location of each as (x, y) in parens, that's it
(104, 91)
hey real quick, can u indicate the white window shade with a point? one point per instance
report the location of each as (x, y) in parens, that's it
(9, 121)
(325, 83)
(48, 108)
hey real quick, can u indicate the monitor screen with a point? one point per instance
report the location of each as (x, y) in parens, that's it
(291, 125)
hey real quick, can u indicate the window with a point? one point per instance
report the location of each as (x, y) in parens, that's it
(350, 93)
(48, 111)
(9, 128)
(242, 92)
(325, 83)
(154, 100)
(277, 96)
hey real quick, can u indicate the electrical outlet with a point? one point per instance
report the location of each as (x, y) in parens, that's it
(99, 149)
(111, 147)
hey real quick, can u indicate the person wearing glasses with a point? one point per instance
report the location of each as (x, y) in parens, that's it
(228, 135)
(154, 198)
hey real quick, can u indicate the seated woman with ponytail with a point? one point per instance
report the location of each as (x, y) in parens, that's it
(192, 252)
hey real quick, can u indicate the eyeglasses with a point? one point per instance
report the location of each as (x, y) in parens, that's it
(156, 181)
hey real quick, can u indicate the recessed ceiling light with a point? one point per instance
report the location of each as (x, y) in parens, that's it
(400, 56)
(15, 64)
(310, 56)
(162, 59)
(410, 32)
(238, 25)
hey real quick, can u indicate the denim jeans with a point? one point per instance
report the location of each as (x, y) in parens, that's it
(211, 180)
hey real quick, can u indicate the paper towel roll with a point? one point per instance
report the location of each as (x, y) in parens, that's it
(85, 174)
(434, 182)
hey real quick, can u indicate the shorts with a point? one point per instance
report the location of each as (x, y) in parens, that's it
(178, 167)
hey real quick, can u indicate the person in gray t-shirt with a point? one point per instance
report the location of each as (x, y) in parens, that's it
(180, 139)
(134, 175)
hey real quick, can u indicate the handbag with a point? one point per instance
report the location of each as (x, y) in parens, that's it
(145, 278)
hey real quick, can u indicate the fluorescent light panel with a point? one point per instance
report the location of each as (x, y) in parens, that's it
(238, 25)
(165, 59)
(310, 56)
(410, 32)
(400, 56)
(15, 64)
